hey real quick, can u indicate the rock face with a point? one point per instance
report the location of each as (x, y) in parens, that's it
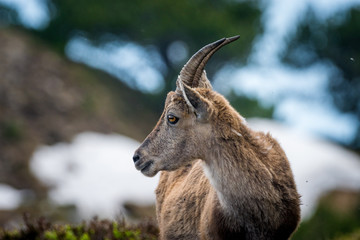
(46, 99)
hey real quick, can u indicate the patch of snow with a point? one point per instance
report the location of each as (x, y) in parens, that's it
(10, 198)
(95, 172)
(318, 165)
(32, 13)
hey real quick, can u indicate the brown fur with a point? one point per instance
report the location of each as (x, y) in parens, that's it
(219, 179)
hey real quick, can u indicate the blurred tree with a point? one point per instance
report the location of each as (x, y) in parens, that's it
(158, 23)
(7, 16)
(335, 41)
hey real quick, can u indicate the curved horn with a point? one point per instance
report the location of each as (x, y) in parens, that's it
(190, 74)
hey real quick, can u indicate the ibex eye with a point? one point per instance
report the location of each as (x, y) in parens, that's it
(172, 119)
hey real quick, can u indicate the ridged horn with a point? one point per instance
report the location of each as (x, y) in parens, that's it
(190, 74)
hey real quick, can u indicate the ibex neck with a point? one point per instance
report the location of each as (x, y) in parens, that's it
(236, 171)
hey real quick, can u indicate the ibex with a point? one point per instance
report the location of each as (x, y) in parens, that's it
(219, 179)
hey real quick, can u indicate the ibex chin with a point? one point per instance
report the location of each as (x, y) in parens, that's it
(219, 179)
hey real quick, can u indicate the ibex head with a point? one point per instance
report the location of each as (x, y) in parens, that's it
(186, 120)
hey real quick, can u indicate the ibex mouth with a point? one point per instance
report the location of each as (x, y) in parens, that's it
(146, 166)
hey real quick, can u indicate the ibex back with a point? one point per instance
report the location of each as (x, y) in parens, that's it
(219, 179)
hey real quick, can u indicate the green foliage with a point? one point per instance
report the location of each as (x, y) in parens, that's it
(85, 236)
(69, 235)
(325, 225)
(337, 42)
(7, 16)
(152, 23)
(249, 107)
(13, 234)
(355, 235)
(157, 22)
(50, 235)
(11, 131)
(119, 232)
(330, 221)
(95, 229)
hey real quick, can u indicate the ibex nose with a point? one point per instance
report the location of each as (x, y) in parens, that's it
(136, 158)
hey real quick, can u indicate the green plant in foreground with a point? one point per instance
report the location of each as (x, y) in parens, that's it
(69, 235)
(85, 236)
(51, 235)
(352, 236)
(333, 220)
(94, 229)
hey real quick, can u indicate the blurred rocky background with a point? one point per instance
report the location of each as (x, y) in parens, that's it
(82, 83)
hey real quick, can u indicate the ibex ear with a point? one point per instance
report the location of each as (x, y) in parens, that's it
(197, 104)
(204, 81)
